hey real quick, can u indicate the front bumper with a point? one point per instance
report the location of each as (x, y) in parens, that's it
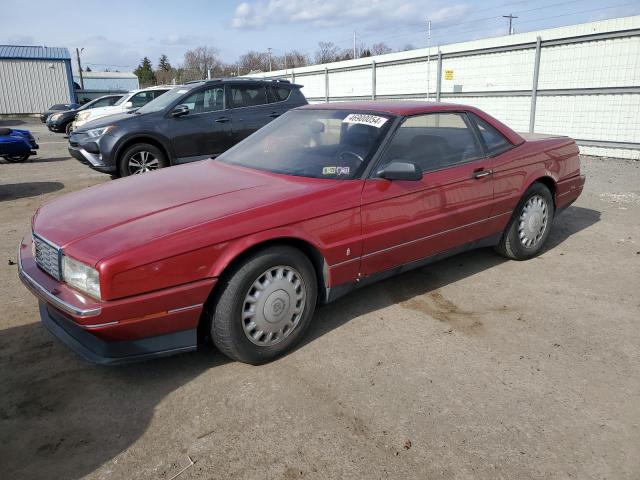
(118, 331)
(93, 152)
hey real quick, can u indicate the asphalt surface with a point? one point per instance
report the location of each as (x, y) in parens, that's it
(472, 368)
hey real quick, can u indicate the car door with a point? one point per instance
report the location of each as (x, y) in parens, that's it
(250, 110)
(406, 221)
(206, 130)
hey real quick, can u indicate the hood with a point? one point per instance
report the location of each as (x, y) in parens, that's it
(105, 120)
(103, 220)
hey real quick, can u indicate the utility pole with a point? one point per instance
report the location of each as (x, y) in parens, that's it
(428, 58)
(354, 44)
(510, 17)
(269, 50)
(80, 67)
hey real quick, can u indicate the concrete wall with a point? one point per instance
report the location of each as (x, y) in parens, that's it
(31, 86)
(588, 82)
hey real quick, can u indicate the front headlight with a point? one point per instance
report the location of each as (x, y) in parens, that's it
(55, 116)
(83, 115)
(98, 132)
(81, 276)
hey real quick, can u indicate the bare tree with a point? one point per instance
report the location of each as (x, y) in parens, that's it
(327, 52)
(293, 59)
(253, 62)
(380, 49)
(408, 46)
(198, 61)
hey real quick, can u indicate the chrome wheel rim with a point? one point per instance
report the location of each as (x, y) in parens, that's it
(533, 221)
(273, 306)
(143, 161)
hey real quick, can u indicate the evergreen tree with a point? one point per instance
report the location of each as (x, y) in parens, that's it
(144, 72)
(163, 63)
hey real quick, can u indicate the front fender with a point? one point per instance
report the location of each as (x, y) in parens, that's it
(235, 248)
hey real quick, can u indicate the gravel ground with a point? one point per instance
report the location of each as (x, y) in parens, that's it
(474, 367)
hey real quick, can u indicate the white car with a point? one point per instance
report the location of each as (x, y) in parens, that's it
(132, 100)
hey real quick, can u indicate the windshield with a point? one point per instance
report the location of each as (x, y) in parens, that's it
(161, 102)
(333, 144)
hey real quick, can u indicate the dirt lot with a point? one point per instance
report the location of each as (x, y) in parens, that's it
(474, 367)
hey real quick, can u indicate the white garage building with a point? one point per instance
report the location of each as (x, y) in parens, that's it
(34, 78)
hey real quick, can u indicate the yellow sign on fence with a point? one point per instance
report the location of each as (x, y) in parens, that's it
(448, 74)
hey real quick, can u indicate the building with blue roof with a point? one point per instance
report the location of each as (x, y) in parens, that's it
(32, 78)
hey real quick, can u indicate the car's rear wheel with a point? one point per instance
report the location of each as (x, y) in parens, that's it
(265, 306)
(529, 226)
(141, 158)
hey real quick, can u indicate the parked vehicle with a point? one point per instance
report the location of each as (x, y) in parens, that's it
(62, 122)
(58, 107)
(128, 103)
(192, 122)
(16, 145)
(325, 199)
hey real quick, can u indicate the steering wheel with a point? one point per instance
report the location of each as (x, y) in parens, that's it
(346, 153)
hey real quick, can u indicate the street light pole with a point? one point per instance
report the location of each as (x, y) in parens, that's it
(80, 67)
(269, 50)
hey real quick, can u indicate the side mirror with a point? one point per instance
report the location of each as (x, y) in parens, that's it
(180, 111)
(399, 170)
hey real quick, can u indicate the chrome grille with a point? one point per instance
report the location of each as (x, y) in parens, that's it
(47, 256)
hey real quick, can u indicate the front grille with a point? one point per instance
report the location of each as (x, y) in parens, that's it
(47, 257)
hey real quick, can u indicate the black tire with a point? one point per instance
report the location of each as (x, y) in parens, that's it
(68, 128)
(17, 158)
(135, 153)
(228, 322)
(514, 243)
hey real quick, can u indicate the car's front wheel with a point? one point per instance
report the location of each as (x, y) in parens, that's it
(529, 226)
(141, 158)
(265, 305)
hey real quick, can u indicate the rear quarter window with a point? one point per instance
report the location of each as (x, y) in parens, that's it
(494, 142)
(277, 94)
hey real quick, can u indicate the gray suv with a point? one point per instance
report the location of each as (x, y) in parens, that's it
(190, 122)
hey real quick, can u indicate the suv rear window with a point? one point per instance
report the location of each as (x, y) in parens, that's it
(277, 94)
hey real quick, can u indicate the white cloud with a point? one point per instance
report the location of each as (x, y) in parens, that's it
(330, 13)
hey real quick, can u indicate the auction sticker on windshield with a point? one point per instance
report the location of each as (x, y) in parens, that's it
(364, 119)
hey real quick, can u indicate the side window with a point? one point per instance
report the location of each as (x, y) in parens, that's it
(277, 94)
(248, 95)
(209, 100)
(433, 141)
(142, 98)
(494, 141)
(112, 100)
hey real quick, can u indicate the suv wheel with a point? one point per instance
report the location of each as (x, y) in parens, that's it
(141, 158)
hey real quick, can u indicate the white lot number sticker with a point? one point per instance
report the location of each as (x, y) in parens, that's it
(335, 171)
(364, 119)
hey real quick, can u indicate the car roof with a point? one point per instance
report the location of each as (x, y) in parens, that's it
(416, 107)
(395, 107)
(278, 81)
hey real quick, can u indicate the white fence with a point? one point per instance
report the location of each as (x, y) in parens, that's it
(581, 80)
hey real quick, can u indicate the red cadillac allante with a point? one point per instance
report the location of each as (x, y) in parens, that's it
(240, 249)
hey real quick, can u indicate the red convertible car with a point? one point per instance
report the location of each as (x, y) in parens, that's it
(240, 249)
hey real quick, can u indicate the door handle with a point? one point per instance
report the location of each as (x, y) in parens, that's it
(481, 173)
(221, 120)
(274, 114)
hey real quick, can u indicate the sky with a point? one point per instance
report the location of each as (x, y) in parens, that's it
(116, 34)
